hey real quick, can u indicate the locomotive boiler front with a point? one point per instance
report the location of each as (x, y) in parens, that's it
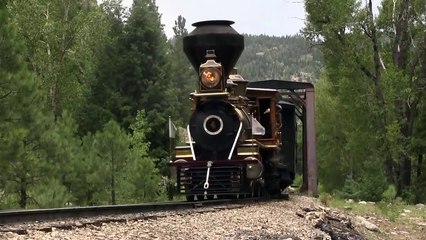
(216, 126)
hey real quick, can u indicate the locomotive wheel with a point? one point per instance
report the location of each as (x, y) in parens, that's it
(189, 198)
(242, 196)
(256, 189)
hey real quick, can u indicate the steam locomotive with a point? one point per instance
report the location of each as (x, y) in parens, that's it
(241, 139)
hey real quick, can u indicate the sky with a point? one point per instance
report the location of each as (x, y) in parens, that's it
(270, 17)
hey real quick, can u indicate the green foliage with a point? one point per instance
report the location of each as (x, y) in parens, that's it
(50, 194)
(103, 101)
(62, 38)
(112, 149)
(22, 119)
(350, 190)
(373, 182)
(142, 176)
(391, 209)
(369, 95)
(184, 78)
(389, 194)
(134, 75)
(298, 180)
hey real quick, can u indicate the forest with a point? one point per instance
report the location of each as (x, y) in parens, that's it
(86, 91)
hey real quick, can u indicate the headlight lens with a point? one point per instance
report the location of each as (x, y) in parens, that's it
(210, 77)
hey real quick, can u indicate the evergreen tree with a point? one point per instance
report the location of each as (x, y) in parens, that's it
(112, 147)
(140, 76)
(89, 182)
(142, 176)
(104, 101)
(184, 78)
(22, 121)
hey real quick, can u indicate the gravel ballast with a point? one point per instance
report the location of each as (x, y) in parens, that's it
(267, 220)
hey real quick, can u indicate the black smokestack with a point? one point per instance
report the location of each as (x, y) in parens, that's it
(215, 35)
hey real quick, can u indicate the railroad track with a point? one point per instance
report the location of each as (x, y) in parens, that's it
(110, 213)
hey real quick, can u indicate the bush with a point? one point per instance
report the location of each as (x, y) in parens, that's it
(50, 194)
(298, 181)
(351, 189)
(390, 194)
(373, 182)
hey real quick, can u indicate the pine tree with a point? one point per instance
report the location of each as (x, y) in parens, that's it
(112, 147)
(104, 101)
(139, 77)
(184, 78)
(142, 176)
(22, 120)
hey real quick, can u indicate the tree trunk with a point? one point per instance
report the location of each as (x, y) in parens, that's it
(389, 165)
(401, 47)
(419, 174)
(419, 166)
(23, 197)
(389, 169)
(404, 178)
(112, 182)
(54, 95)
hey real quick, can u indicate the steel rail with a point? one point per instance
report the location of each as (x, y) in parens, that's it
(38, 215)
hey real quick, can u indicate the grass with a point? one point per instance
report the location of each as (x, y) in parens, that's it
(389, 210)
(393, 217)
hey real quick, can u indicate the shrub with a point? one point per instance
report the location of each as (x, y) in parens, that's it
(50, 194)
(351, 189)
(390, 194)
(298, 181)
(373, 182)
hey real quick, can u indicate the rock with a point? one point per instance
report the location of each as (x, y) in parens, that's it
(291, 189)
(403, 214)
(349, 200)
(362, 202)
(421, 223)
(420, 205)
(407, 211)
(367, 224)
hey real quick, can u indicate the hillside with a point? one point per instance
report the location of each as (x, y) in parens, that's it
(285, 58)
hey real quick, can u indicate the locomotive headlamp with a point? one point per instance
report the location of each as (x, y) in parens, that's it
(210, 77)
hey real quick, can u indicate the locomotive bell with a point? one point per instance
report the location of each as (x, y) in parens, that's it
(215, 35)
